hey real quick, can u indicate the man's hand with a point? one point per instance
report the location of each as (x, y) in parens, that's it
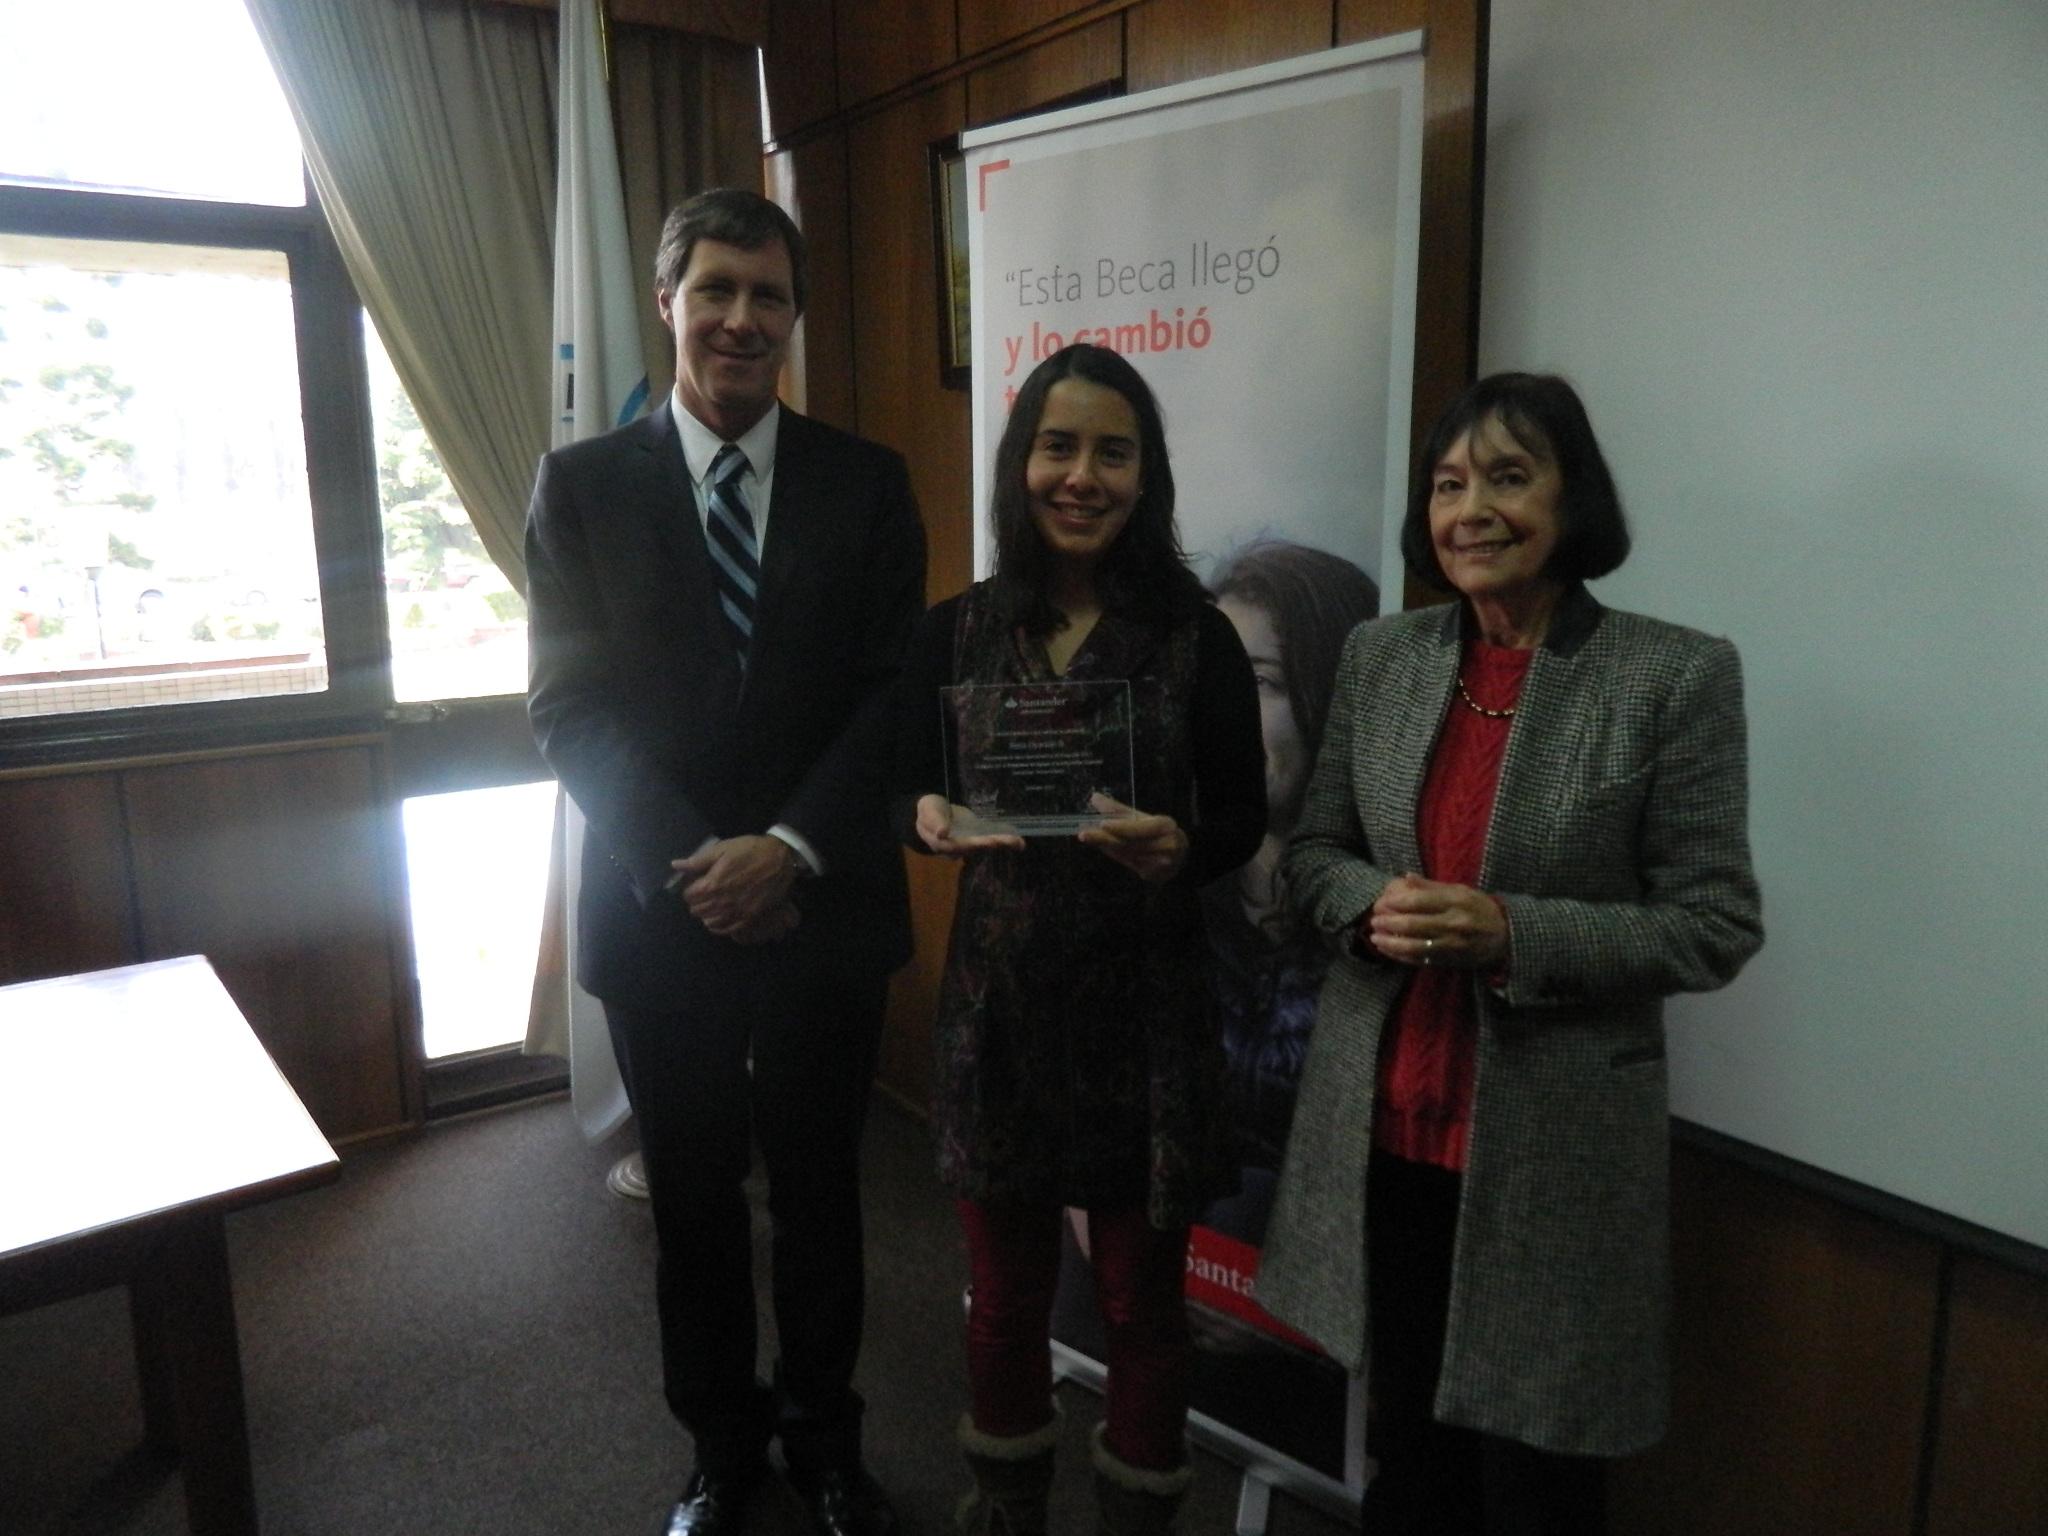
(737, 884)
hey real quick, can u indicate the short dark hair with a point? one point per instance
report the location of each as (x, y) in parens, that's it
(1544, 414)
(731, 216)
(1145, 572)
(1315, 599)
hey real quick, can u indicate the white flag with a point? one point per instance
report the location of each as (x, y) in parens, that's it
(600, 383)
(600, 372)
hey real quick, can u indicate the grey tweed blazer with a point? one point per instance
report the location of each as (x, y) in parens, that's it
(1619, 846)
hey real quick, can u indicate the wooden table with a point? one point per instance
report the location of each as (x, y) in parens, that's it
(136, 1110)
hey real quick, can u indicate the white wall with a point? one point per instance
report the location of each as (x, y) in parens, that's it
(1795, 255)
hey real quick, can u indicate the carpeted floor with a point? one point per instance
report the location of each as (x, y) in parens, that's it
(458, 1337)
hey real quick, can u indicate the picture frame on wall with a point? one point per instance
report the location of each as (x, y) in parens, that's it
(949, 234)
(948, 171)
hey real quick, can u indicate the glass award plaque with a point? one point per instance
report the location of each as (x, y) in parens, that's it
(1027, 758)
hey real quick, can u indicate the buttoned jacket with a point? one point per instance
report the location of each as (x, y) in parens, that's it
(1618, 845)
(641, 706)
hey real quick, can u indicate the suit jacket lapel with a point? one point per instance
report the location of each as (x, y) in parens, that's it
(789, 512)
(1550, 717)
(1514, 835)
(1425, 692)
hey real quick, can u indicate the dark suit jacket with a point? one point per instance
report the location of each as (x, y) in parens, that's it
(639, 705)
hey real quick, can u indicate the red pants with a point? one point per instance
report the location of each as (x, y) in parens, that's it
(1013, 1253)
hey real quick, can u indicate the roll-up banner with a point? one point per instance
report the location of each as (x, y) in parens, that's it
(1249, 242)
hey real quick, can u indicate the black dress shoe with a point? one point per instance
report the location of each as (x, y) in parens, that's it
(712, 1506)
(845, 1502)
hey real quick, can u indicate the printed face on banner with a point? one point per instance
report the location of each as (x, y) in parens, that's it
(732, 321)
(1083, 474)
(1286, 752)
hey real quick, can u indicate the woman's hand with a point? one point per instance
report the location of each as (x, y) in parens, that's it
(1428, 922)
(1151, 847)
(935, 826)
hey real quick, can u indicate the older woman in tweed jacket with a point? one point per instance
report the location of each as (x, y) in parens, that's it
(1527, 826)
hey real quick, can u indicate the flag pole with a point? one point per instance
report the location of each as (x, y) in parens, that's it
(599, 383)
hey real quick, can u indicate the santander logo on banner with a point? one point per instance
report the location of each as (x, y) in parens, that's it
(1220, 1275)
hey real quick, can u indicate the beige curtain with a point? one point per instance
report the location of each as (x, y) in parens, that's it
(687, 111)
(429, 127)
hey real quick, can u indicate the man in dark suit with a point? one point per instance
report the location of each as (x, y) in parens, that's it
(713, 636)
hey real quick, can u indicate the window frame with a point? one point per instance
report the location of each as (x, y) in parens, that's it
(341, 481)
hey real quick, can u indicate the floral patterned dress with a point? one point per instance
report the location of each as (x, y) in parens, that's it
(1079, 1049)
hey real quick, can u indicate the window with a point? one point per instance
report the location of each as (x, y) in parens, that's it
(458, 625)
(188, 509)
(200, 114)
(476, 864)
(221, 522)
(157, 541)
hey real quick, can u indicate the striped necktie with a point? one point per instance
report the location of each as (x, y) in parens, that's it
(735, 555)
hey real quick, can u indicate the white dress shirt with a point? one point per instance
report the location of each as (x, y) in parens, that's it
(757, 444)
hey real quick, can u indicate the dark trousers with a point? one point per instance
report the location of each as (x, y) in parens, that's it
(768, 1052)
(1438, 1479)
(1013, 1254)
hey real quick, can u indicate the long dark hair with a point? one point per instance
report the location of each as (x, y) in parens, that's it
(1144, 573)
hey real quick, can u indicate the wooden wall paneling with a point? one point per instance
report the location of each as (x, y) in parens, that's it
(64, 895)
(386, 835)
(1453, 99)
(799, 64)
(811, 183)
(1453, 186)
(275, 868)
(1803, 1344)
(1175, 40)
(742, 21)
(896, 323)
(986, 23)
(1990, 1468)
(1072, 62)
(901, 403)
(1360, 20)
(887, 43)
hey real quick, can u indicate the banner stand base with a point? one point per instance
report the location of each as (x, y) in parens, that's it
(1254, 1504)
(1265, 1469)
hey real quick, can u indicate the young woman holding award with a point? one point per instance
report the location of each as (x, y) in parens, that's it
(1079, 1059)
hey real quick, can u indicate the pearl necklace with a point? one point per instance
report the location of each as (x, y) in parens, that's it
(1478, 708)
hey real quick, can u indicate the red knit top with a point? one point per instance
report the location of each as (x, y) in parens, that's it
(1429, 1052)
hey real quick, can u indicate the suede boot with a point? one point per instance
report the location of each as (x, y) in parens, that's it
(1012, 1480)
(1132, 1501)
